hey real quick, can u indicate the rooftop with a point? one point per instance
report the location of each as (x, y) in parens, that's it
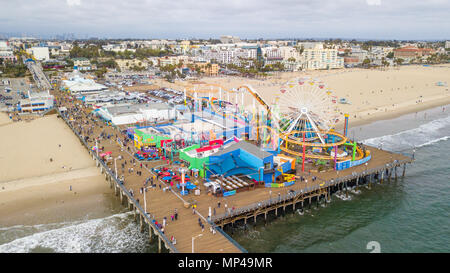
(136, 108)
(248, 147)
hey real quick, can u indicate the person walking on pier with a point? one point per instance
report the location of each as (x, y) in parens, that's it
(176, 214)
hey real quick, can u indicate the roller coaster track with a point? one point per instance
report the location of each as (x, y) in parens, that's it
(255, 95)
(328, 145)
(215, 110)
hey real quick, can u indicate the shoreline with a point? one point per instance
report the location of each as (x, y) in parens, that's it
(398, 113)
(34, 190)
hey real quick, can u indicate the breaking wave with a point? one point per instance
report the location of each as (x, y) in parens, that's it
(116, 233)
(426, 134)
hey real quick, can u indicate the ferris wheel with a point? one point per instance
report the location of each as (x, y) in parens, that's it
(305, 104)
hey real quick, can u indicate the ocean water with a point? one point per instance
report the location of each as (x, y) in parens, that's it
(407, 215)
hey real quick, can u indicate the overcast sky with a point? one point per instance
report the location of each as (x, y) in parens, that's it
(360, 19)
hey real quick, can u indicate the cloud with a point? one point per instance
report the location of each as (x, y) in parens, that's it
(71, 3)
(373, 2)
(365, 19)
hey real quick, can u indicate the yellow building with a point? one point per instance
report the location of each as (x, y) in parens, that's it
(208, 68)
(128, 64)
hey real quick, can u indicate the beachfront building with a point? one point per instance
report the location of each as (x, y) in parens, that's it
(351, 61)
(207, 68)
(315, 56)
(412, 52)
(172, 60)
(272, 55)
(36, 102)
(137, 113)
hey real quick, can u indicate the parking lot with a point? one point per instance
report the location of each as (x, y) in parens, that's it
(8, 100)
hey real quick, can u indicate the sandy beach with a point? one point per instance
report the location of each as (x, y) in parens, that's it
(373, 94)
(34, 190)
(4, 119)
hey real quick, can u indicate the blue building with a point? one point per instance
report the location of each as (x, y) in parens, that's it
(242, 158)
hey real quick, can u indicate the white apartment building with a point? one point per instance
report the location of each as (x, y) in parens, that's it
(272, 55)
(317, 57)
(39, 53)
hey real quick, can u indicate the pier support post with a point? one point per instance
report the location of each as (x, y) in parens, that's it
(404, 170)
(159, 244)
(382, 176)
(276, 211)
(395, 172)
(115, 190)
(141, 223)
(150, 232)
(265, 218)
(121, 197)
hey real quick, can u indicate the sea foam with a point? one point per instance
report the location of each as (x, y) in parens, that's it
(426, 134)
(116, 233)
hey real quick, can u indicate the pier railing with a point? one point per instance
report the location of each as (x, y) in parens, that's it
(307, 190)
(167, 242)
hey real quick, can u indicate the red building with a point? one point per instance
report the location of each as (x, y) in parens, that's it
(410, 52)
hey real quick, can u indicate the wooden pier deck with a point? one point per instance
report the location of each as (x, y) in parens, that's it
(159, 203)
(243, 205)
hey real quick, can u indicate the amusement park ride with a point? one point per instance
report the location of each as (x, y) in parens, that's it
(300, 122)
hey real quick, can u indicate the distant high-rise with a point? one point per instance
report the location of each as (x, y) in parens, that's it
(227, 39)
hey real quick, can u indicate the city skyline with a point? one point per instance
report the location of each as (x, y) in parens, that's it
(351, 19)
